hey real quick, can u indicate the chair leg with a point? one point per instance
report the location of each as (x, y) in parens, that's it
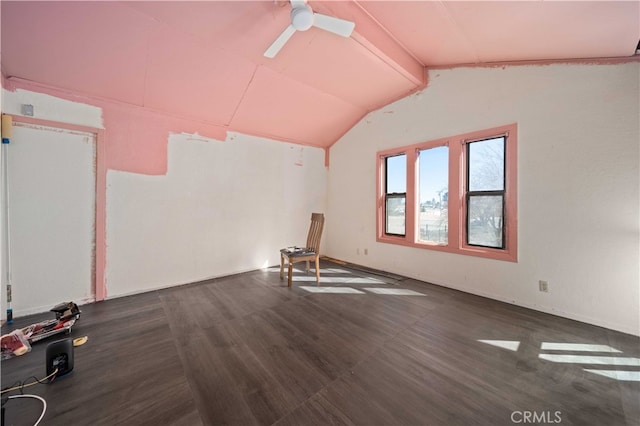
(317, 268)
(281, 266)
(290, 273)
(307, 262)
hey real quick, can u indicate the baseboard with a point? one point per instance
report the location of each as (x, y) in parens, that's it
(180, 284)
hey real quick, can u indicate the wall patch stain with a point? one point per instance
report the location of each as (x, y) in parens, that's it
(298, 156)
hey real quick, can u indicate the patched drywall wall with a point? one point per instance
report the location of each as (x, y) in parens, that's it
(222, 208)
(137, 136)
(578, 185)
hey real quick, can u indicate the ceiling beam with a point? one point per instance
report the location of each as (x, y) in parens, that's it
(372, 36)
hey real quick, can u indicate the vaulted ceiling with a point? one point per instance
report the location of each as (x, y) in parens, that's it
(204, 60)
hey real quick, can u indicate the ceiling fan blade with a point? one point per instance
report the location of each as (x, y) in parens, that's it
(297, 3)
(275, 47)
(334, 25)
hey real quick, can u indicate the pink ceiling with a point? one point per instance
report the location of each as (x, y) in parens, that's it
(203, 60)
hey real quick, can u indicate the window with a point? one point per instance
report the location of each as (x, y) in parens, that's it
(457, 194)
(433, 187)
(485, 193)
(395, 194)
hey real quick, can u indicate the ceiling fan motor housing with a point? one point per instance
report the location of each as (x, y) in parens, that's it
(302, 18)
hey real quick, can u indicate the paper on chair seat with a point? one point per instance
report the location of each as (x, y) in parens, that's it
(297, 250)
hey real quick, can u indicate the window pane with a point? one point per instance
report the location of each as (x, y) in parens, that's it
(396, 169)
(486, 165)
(434, 194)
(395, 209)
(485, 220)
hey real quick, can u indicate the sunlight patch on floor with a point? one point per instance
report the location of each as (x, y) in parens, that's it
(322, 270)
(587, 359)
(338, 280)
(584, 359)
(332, 290)
(583, 347)
(632, 376)
(511, 345)
(394, 291)
(365, 281)
(335, 271)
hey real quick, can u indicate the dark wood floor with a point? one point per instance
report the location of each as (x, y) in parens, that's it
(247, 350)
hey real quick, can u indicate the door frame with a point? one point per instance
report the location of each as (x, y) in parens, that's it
(100, 208)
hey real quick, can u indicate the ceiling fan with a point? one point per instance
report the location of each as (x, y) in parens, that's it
(303, 18)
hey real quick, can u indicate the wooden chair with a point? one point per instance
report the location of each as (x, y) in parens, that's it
(310, 252)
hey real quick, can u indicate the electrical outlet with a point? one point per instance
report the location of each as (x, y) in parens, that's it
(358, 251)
(27, 110)
(544, 286)
(366, 252)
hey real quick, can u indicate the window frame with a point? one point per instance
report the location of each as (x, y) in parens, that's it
(393, 195)
(387, 195)
(457, 199)
(468, 193)
(423, 147)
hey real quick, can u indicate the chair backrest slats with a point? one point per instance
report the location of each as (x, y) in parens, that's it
(315, 231)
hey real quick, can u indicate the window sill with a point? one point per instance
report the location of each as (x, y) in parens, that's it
(488, 253)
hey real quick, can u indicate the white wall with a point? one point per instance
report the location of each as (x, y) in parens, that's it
(578, 171)
(222, 208)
